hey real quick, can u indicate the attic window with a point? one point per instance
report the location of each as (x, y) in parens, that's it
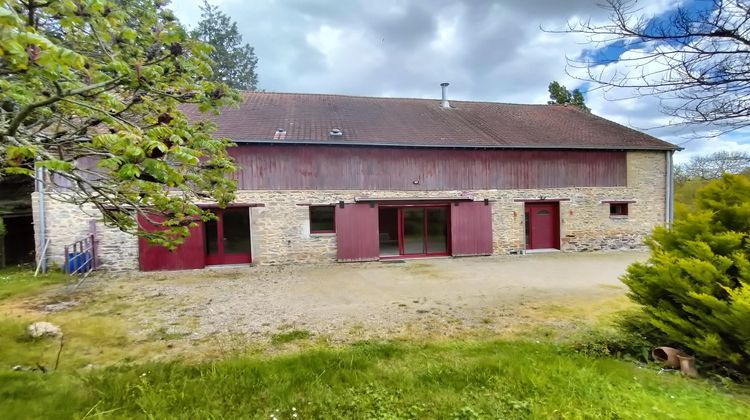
(280, 134)
(336, 132)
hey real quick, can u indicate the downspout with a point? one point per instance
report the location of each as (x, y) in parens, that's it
(41, 252)
(669, 205)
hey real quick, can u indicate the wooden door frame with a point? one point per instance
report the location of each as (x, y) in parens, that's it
(528, 220)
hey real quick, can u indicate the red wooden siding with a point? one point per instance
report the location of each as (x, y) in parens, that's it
(266, 167)
(357, 233)
(188, 255)
(471, 228)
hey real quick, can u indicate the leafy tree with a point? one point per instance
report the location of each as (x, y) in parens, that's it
(690, 177)
(695, 287)
(695, 59)
(713, 166)
(559, 94)
(92, 91)
(234, 62)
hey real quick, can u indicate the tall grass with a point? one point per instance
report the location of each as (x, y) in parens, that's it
(379, 380)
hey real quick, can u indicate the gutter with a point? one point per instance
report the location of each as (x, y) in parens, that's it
(41, 250)
(450, 146)
(669, 190)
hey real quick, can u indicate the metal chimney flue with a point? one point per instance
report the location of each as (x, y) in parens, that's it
(445, 103)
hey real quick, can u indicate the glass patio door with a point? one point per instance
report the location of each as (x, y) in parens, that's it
(413, 228)
(228, 237)
(424, 231)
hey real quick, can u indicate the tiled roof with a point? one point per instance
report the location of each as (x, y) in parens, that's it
(309, 118)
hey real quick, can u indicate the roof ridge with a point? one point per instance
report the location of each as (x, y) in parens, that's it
(248, 93)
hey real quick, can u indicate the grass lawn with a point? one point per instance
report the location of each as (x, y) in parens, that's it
(305, 377)
(16, 282)
(464, 380)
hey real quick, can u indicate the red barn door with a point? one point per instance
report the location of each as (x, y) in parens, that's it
(471, 228)
(357, 232)
(188, 255)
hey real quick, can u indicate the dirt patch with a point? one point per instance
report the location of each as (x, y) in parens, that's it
(342, 301)
(205, 314)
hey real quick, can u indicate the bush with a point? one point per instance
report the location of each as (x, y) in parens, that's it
(695, 287)
(612, 343)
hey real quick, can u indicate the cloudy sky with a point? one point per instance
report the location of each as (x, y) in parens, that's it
(487, 50)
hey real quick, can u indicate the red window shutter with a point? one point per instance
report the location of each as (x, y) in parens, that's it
(357, 233)
(188, 255)
(471, 228)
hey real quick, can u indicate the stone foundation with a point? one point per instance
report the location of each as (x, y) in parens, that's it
(280, 230)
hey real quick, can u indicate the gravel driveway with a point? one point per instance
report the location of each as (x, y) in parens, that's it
(361, 300)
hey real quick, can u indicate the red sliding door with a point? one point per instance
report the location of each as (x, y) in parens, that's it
(188, 255)
(471, 228)
(357, 232)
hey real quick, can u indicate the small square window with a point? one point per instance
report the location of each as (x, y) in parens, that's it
(322, 219)
(618, 209)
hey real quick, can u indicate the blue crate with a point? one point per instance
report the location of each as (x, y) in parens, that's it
(79, 262)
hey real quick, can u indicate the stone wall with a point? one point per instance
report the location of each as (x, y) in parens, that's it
(67, 223)
(280, 230)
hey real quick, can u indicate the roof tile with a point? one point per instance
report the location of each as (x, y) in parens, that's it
(309, 118)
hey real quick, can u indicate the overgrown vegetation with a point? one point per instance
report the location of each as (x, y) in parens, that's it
(376, 380)
(695, 288)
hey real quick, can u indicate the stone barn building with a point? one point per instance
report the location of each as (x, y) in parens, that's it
(326, 178)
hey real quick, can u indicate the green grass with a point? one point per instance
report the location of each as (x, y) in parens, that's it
(289, 336)
(478, 378)
(377, 380)
(16, 282)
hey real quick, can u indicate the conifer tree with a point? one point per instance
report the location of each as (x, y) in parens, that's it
(560, 94)
(233, 62)
(695, 287)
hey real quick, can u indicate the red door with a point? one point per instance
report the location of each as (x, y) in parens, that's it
(357, 232)
(542, 225)
(471, 228)
(228, 237)
(188, 255)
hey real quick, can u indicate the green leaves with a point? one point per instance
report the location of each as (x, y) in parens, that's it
(560, 95)
(93, 92)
